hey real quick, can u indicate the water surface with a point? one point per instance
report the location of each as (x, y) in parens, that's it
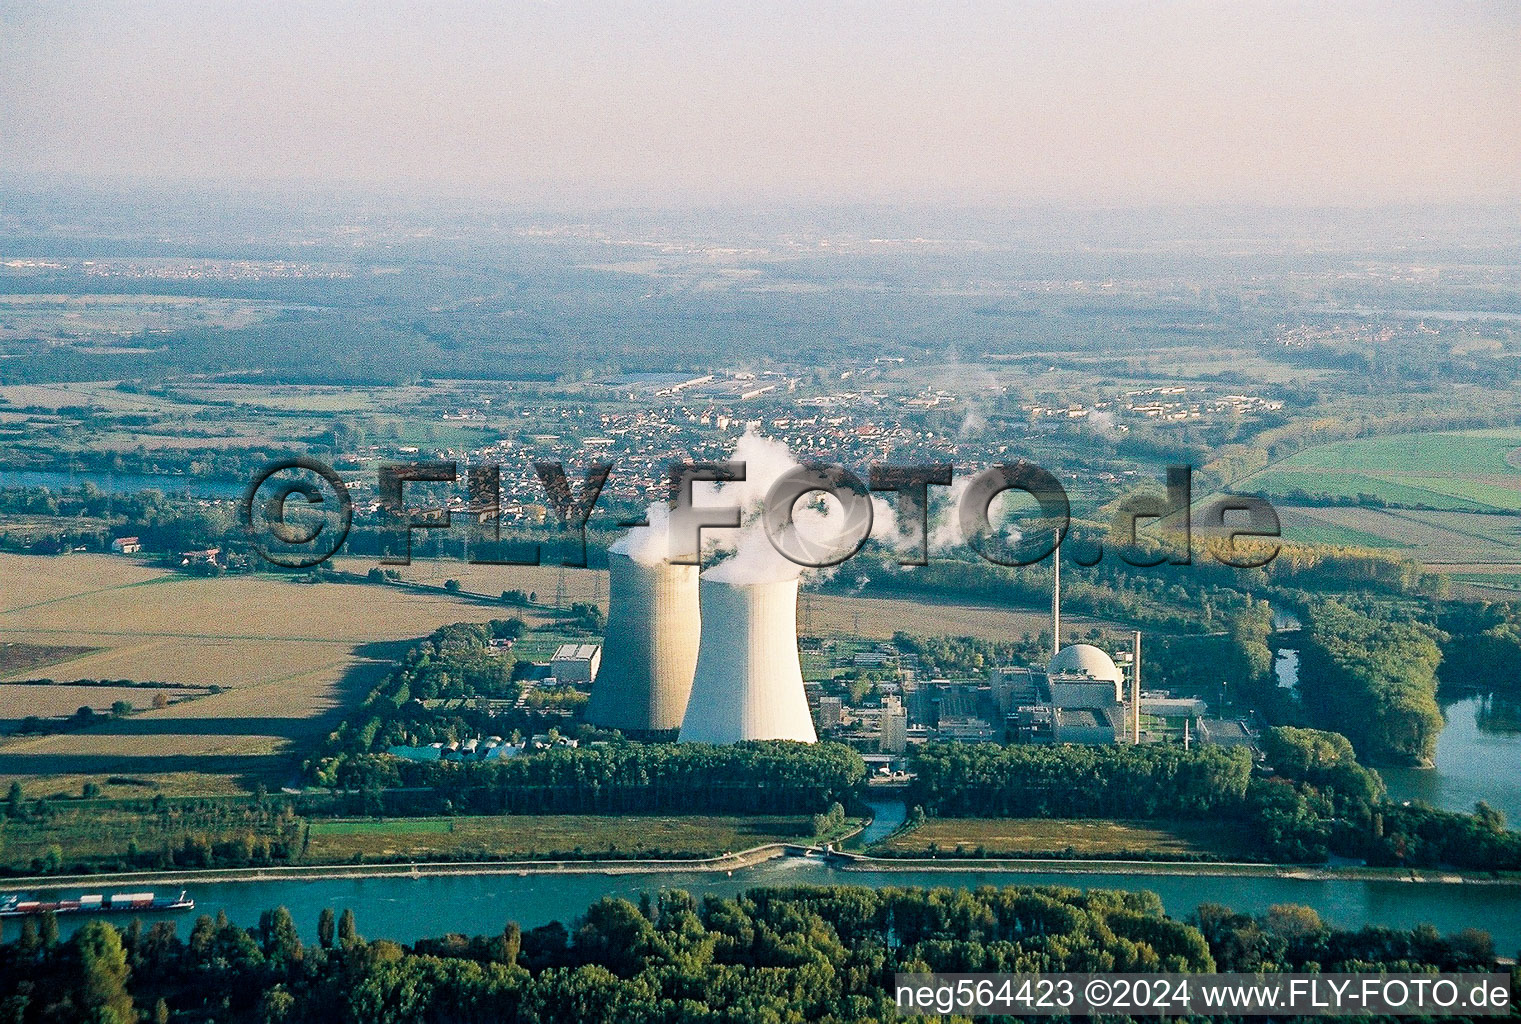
(1478, 757)
(406, 909)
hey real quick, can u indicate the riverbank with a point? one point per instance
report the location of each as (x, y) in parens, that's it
(731, 862)
(421, 869)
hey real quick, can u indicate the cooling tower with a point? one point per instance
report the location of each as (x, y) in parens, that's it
(749, 684)
(650, 650)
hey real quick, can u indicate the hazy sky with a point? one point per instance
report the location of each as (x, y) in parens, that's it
(1112, 103)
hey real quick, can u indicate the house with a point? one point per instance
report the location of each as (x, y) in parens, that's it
(210, 556)
(126, 545)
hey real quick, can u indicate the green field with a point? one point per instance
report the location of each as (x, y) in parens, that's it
(994, 836)
(101, 836)
(1302, 527)
(541, 835)
(1472, 469)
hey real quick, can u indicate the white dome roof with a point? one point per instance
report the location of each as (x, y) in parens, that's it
(1084, 660)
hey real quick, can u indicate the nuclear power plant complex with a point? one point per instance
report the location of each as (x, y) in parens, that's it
(703, 657)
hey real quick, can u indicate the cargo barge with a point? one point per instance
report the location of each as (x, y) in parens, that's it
(116, 903)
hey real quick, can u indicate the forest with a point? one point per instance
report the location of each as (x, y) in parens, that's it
(771, 954)
(1373, 680)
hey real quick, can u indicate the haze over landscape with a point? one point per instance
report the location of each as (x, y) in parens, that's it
(572, 103)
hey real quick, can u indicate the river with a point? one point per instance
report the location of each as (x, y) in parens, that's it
(406, 909)
(122, 483)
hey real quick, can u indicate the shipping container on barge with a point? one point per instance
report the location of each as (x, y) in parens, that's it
(18, 905)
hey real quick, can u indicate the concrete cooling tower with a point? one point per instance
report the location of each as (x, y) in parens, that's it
(650, 650)
(749, 684)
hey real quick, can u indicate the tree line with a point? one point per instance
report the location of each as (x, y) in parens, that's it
(771, 954)
(958, 780)
(1310, 799)
(756, 777)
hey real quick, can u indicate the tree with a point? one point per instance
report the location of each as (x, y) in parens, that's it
(121, 708)
(452, 586)
(14, 800)
(276, 1005)
(48, 928)
(30, 942)
(326, 928)
(161, 1012)
(1292, 921)
(160, 702)
(512, 943)
(278, 937)
(348, 930)
(1489, 818)
(103, 975)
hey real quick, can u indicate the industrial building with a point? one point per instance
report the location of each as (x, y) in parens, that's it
(575, 663)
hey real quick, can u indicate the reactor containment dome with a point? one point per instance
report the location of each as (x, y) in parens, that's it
(1084, 660)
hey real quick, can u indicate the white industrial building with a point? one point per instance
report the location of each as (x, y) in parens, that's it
(1082, 676)
(576, 663)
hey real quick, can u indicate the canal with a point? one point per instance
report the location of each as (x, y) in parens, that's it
(406, 909)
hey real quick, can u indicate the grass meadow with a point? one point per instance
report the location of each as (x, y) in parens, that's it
(1472, 470)
(1082, 837)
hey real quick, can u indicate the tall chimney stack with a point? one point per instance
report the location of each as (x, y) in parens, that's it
(1056, 597)
(1135, 688)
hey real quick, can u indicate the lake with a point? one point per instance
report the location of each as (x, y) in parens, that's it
(1478, 757)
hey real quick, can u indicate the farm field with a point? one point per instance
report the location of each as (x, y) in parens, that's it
(17, 702)
(1042, 835)
(818, 614)
(23, 657)
(1332, 526)
(289, 655)
(541, 835)
(1475, 470)
(1437, 539)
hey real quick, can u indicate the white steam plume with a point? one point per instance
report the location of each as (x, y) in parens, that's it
(752, 558)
